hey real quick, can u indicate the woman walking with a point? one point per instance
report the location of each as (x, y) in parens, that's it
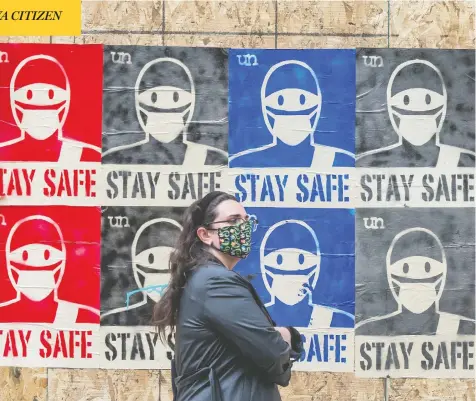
(226, 345)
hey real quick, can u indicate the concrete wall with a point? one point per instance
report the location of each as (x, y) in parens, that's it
(267, 24)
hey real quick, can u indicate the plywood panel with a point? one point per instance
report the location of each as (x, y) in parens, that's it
(320, 386)
(235, 41)
(335, 42)
(77, 385)
(333, 17)
(323, 386)
(112, 39)
(23, 384)
(24, 39)
(426, 390)
(432, 24)
(142, 385)
(122, 15)
(220, 16)
(105, 385)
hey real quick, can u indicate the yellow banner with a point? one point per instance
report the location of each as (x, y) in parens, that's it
(40, 17)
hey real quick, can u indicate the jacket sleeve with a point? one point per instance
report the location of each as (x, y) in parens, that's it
(231, 310)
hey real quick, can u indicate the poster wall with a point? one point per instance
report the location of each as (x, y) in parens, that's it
(290, 164)
(415, 222)
(165, 145)
(357, 164)
(50, 158)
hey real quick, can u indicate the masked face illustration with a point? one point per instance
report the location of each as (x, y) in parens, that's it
(417, 109)
(40, 96)
(290, 274)
(36, 257)
(149, 265)
(291, 113)
(151, 251)
(417, 281)
(165, 102)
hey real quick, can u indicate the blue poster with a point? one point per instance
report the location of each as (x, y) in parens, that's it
(303, 267)
(291, 108)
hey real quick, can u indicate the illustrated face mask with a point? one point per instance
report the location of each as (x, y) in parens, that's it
(417, 129)
(236, 240)
(418, 297)
(40, 124)
(293, 273)
(152, 265)
(36, 285)
(165, 108)
(154, 284)
(417, 279)
(289, 289)
(292, 129)
(35, 266)
(164, 127)
(292, 110)
(415, 113)
(37, 108)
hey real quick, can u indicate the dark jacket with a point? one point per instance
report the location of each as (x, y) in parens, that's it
(226, 348)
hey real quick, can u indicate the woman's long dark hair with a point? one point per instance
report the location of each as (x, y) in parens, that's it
(188, 253)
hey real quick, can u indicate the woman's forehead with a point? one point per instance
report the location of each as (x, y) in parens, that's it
(230, 208)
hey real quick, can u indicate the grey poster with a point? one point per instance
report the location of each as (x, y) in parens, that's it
(135, 249)
(415, 272)
(415, 108)
(165, 105)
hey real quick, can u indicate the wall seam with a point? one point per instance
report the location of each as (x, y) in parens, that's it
(276, 24)
(163, 22)
(385, 388)
(228, 33)
(388, 23)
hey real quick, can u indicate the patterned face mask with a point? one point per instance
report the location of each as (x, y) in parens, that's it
(236, 240)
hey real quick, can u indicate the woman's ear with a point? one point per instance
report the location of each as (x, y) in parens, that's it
(204, 235)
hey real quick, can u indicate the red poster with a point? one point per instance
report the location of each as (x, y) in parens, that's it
(51, 122)
(49, 285)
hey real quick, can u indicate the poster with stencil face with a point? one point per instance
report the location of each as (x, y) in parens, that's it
(49, 286)
(415, 287)
(415, 128)
(415, 108)
(50, 124)
(292, 108)
(164, 107)
(292, 116)
(136, 246)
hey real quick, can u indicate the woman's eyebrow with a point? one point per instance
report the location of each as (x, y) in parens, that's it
(233, 216)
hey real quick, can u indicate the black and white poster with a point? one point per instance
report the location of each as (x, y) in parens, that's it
(415, 128)
(415, 287)
(135, 250)
(167, 107)
(415, 108)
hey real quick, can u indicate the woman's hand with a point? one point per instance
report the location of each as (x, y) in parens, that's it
(285, 333)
